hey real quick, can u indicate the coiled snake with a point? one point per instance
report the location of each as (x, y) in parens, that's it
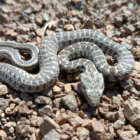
(86, 43)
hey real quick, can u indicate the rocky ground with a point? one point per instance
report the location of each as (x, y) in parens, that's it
(61, 112)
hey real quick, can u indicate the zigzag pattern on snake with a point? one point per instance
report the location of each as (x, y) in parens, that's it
(48, 61)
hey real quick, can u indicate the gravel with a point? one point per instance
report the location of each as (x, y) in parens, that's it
(62, 112)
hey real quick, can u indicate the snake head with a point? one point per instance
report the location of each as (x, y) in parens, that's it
(92, 86)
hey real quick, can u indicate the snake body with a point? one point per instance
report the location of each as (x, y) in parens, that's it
(49, 67)
(7, 50)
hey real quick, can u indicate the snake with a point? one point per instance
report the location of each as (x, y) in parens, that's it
(57, 51)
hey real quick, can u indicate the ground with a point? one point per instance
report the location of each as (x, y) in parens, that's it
(62, 112)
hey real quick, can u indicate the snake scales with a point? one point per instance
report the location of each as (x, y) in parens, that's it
(87, 43)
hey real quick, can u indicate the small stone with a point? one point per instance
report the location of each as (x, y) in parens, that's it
(3, 121)
(39, 32)
(24, 29)
(3, 103)
(97, 129)
(2, 115)
(11, 24)
(10, 110)
(110, 27)
(128, 135)
(49, 32)
(62, 118)
(67, 129)
(103, 108)
(79, 101)
(10, 32)
(118, 124)
(60, 10)
(131, 111)
(74, 20)
(25, 130)
(23, 108)
(87, 123)
(106, 100)
(77, 88)
(75, 120)
(70, 102)
(82, 133)
(125, 94)
(74, 138)
(12, 106)
(3, 90)
(3, 135)
(87, 115)
(81, 113)
(33, 137)
(27, 122)
(64, 137)
(11, 130)
(39, 40)
(129, 29)
(5, 9)
(4, 18)
(56, 89)
(60, 84)
(45, 17)
(134, 92)
(68, 27)
(52, 135)
(28, 10)
(60, 95)
(114, 116)
(67, 88)
(14, 34)
(38, 134)
(48, 92)
(57, 103)
(108, 136)
(116, 102)
(137, 66)
(136, 41)
(35, 120)
(109, 34)
(10, 124)
(118, 21)
(22, 38)
(37, 7)
(47, 125)
(88, 24)
(2, 31)
(131, 5)
(138, 28)
(139, 137)
(98, 23)
(42, 100)
(136, 83)
(77, 26)
(80, 5)
(45, 110)
(53, 25)
(38, 20)
(117, 33)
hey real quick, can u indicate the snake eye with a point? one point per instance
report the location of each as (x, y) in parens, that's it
(88, 91)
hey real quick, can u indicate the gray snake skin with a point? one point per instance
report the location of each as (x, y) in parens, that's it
(92, 42)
